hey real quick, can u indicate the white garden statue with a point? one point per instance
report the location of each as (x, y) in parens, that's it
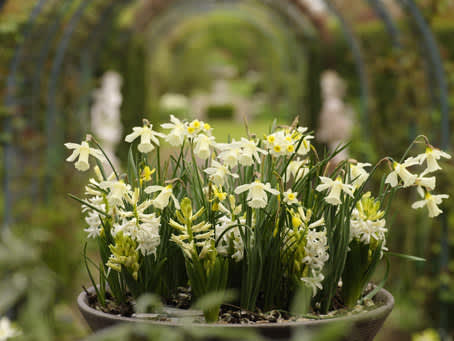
(336, 118)
(105, 114)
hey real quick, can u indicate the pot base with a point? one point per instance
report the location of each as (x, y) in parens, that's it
(363, 326)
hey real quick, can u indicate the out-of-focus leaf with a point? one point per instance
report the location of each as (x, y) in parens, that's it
(214, 299)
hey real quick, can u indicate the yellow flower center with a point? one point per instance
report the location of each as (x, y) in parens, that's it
(290, 148)
(291, 196)
(271, 139)
(191, 130)
(206, 126)
(277, 148)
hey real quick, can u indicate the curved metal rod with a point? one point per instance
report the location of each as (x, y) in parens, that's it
(90, 54)
(10, 103)
(436, 62)
(386, 18)
(285, 8)
(44, 53)
(359, 62)
(51, 119)
(189, 11)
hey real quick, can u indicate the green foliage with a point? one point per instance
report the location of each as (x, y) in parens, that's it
(225, 111)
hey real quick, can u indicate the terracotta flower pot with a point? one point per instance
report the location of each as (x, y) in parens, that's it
(362, 326)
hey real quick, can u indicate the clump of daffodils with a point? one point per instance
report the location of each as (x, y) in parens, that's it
(260, 215)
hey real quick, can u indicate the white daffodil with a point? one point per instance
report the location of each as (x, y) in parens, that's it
(203, 145)
(178, 131)
(290, 197)
(257, 197)
(302, 217)
(431, 156)
(83, 151)
(400, 170)
(425, 182)
(118, 191)
(230, 153)
(335, 188)
(279, 143)
(358, 174)
(7, 330)
(297, 169)
(431, 201)
(162, 200)
(206, 128)
(147, 136)
(305, 146)
(314, 282)
(194, 128)
(249, 151)
(218, 173)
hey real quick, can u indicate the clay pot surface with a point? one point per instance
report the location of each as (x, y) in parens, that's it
(362, 326)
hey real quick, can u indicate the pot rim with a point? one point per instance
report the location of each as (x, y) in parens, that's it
(383, 296)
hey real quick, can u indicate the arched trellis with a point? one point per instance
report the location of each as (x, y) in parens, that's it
(286, 43)
(17, 99)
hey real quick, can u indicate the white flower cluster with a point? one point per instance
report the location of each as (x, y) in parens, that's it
(309, 243)
(286, 142)
(230, 243)
(424, 184)
(366, 230)
(116, 199)
(247, 181)
(367, 224)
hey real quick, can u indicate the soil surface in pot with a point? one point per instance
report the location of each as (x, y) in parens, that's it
(229, 314)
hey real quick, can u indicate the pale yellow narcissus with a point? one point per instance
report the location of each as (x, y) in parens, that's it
(257, 197)
(431, 156)
(427, 183)
(83, 151)
(249, 152)
(218, 173)
(203, 145)
(358, 174)
(118, 191)
(178, 131)
(400, 171)
(194, 128)
(162, 200)
(431, 201)
(290, 197)
(305, 146)
(230, 152)
(297, 169)
(147, 136)
(335, 188)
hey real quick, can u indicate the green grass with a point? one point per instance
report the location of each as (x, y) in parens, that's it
(223, 129)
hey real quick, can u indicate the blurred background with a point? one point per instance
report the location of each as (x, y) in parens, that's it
(373, 72)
